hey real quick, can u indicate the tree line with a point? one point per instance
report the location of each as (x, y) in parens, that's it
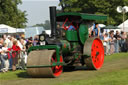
(11, 15)
(100, 7)
(104, 7)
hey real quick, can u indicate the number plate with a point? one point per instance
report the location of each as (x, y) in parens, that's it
(42, 43)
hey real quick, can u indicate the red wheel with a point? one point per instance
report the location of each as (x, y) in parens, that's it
(94, 53)
(57, 70)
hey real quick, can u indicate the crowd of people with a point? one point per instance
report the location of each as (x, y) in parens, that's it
(13, 51)
(114, 42)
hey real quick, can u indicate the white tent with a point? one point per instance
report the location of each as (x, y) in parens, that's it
(7, 29)
(102, 25)
(20, 30)
(125, 26)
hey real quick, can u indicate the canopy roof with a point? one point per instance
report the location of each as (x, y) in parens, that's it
(125, 26)
(102, 25)
(20, 30)
(111, 27)
(79, 16)
(7, 29)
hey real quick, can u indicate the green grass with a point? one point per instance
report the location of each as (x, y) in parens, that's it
(11, 75)
(21, 74)
(119, 77)
(115, 56)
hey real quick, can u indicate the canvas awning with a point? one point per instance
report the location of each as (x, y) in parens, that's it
(79, 16)
(125, 26)
(7, 29)
(20, 30)
(110, 27)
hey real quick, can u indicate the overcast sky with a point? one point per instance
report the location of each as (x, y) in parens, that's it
(37, 10)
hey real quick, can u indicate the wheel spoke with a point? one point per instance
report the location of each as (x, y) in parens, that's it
(57, 70)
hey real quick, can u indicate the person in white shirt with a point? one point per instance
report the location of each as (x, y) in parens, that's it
(6, 40)
(23, 54)
(106, 43)
(5, 57)
(95, 30)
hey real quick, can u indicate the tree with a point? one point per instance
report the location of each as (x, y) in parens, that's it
(11, 15)
(46, 25)
(105, 7)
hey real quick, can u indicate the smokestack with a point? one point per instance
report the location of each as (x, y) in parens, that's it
(53, 20)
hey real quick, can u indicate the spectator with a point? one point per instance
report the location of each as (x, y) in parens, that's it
(36, 42)
(116, 41)
(6, 40)
(23, 53)
(19, 43)
(10, 44)
(102, 36)
(123, 45)
(90, 27)
(4, 54)
(1, 58)
(15, 54)
(29, 43)
(22, 43)
(95, 30)
(106, 43)
(112, 48)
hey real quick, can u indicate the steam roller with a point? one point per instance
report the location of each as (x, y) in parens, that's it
(64, 47)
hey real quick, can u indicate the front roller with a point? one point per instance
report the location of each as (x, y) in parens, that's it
(43, 59)
(94, 53)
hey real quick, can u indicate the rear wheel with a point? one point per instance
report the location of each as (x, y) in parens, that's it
(94, 53)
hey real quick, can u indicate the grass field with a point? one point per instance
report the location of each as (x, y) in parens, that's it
(119, 77)
(114, 72)
(115, 56)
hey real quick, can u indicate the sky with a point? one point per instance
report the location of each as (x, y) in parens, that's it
(37, 10)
